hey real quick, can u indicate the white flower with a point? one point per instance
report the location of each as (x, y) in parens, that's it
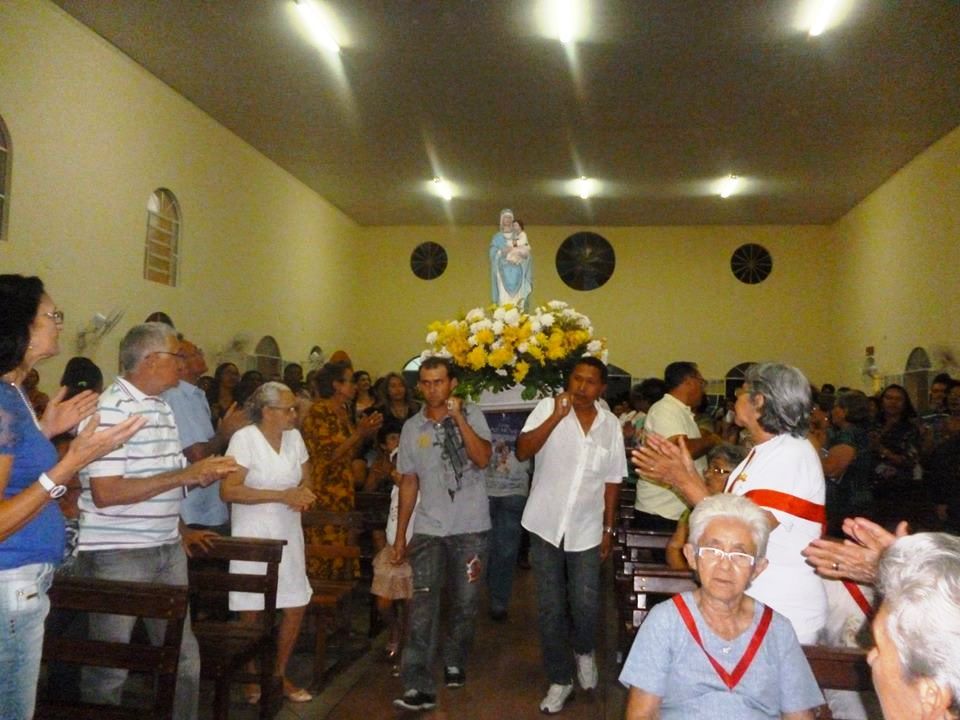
(535, 325)
(425, 354)
(432, 338)
(443, 353)
(497, 327)
(522, 347)
(546, 319)
(496, 344)
(556, 304)
(512, 317)
(472, 340)
(604, 355)
(479, 325)
(533, 340)
(499, 313)
(475, 315)
(594, 346)
(501, 371)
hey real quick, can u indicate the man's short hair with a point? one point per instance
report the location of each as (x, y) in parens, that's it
(433, 362)
(140, 341)
(594, 363)
(676, 372)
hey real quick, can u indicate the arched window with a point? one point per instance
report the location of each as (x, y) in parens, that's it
(161, 253)
(5, 158)
(269, 360)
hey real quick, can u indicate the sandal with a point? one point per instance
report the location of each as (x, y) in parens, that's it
(295, 694)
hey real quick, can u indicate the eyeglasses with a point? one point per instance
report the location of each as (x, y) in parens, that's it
(715, 555)
(179, 356)
(283, 408)
(56, 316)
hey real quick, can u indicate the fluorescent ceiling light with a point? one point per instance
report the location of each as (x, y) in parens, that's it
(584, 187)
(729, 185)
(319, 27)
(442, 188)
(826, 9)
(565, 20)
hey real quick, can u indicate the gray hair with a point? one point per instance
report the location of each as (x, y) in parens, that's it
(786, 398)
(732, 454)
(734, 507)
(140, 341)
(920, 582)
(266, 394)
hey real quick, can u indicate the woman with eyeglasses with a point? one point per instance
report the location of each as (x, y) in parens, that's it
(334, 443)
(267, 495)
(32, 531)
(716, 652)
(782, 474)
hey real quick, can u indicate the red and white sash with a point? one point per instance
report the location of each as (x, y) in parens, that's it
(731, 680)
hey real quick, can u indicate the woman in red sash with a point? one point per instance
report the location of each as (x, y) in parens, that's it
(717, 653)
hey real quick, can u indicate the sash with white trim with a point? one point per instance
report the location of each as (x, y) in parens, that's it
(731, 680)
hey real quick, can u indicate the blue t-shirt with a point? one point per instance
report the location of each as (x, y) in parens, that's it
(666, 661)
(42, 539)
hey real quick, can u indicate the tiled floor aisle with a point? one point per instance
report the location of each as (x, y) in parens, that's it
(504, 681)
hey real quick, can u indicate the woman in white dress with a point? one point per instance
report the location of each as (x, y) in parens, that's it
(267, 495)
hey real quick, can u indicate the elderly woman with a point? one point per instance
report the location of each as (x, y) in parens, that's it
(31, 477)
(916, 661)
(782, 474)
(715, 652)
(267, 495)
(334, 443)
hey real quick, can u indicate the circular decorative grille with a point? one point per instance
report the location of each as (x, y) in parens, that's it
(585, 261)
(751, 263)
(428, 260)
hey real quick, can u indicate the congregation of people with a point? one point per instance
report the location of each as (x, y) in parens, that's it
(807, 515)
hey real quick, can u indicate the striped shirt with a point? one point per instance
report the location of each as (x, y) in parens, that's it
(155, 449)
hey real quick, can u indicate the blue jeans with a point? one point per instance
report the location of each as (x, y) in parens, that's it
(437, 561)
(23, 606)
(167, 565)
(565, 579)
(505, 515)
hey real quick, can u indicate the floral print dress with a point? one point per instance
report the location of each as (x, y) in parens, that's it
(324, 430)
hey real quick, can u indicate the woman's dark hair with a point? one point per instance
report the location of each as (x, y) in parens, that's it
(359, 374)
(20, 299)
(650, 390)
(214, 395)
(383, 389)
(81, 374)
(908, 410)
(327, 375)
(856, 407)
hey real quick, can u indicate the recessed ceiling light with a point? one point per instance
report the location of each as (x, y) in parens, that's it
(822, 15)
(729, 185)
(319, 27)
(442, 188)
(584, 187)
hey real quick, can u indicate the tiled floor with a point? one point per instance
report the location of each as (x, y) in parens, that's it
(504, 678)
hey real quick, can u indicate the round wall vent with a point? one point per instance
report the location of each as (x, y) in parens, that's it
(585, 261)
(428, 260)
(751, 263)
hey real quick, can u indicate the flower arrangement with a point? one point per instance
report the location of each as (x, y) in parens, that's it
(497, 347)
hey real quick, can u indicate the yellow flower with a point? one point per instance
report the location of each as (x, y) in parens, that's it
(485, 336)
(556, 352)
(520, 371)
(477, 358)
(500, 357)
(536, 353)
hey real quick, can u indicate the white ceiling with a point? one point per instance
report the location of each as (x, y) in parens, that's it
(664, 98)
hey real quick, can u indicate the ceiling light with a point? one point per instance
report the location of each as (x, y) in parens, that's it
(566, 18)
(443, 188)
(584, 187)
(822, 15)
(729, 185)
(318, 26)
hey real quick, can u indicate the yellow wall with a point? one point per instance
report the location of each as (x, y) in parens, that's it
(897, 257)
(671, 297)
(94, 135)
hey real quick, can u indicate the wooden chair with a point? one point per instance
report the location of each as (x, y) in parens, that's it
(638, 592)
(226, 646)
(330, 604)
(145, 600)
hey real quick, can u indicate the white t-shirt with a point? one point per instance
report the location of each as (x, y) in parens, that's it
(667, 417)
(570, 477)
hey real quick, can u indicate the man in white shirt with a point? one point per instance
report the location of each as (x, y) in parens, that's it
(580, 463)
(659, 507)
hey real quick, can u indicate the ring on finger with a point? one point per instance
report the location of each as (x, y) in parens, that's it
(836, 567)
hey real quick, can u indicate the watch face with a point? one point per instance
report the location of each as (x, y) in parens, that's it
(57, 491)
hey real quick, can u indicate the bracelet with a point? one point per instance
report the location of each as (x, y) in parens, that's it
(609, 530)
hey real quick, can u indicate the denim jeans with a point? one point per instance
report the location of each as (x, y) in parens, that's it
(167, 565)
(505, 515)
(565, 579)
(438, 562)
(23, 606)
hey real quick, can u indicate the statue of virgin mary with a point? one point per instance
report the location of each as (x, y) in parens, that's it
(511, 266)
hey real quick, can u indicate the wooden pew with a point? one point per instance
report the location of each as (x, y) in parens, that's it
(145, 600)
(226, 646)
(839, 668)
(330, 604)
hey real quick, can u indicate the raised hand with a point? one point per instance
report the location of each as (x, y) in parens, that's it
(561, 405)
(369, 424)
(63, 415)
(91, 444)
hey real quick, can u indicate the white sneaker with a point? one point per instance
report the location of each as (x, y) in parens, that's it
(587, 671)
(556, 698)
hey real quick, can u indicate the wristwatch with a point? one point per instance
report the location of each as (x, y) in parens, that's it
(610, 530)
(51, 487)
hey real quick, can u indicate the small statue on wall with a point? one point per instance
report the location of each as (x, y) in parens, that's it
(511, 264)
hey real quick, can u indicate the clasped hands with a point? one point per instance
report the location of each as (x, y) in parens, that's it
(208, 470)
